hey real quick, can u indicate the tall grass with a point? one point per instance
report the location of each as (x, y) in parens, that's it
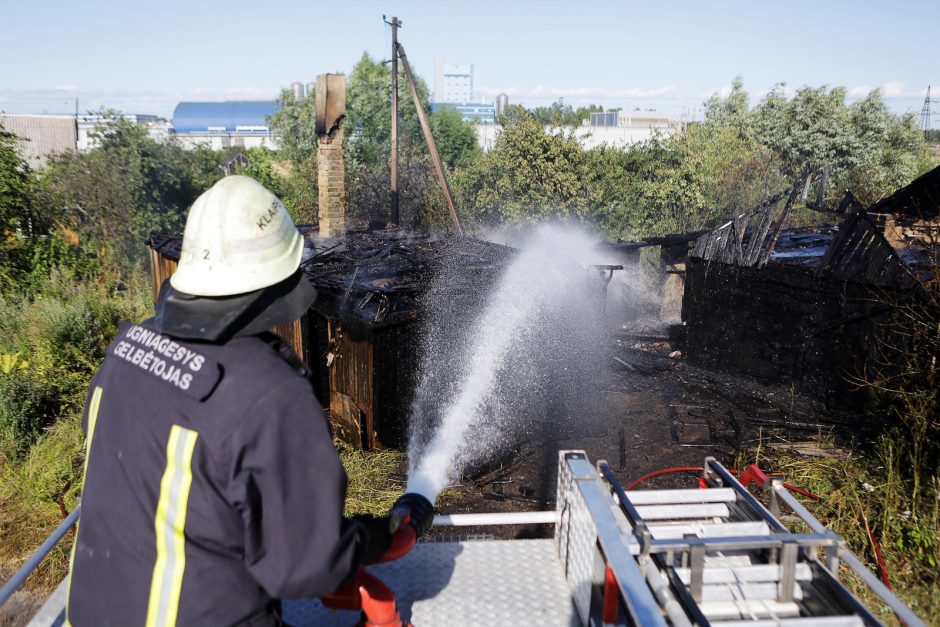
(60, 330)
(873, 486)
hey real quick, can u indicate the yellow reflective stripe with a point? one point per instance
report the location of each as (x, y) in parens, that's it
(92, 421)
(169, 522)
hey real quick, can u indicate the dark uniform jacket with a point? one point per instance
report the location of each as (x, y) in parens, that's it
(212, 486)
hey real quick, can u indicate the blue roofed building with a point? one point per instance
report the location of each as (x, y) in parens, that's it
(217, 125)
(475, 112)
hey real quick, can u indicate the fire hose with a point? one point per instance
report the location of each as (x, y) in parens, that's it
(410, 517)
(369, 594)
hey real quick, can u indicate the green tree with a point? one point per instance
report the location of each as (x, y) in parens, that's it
(456, 140)
(368, 146)
(529, 175)
(20, 224)
(16, 215)
(126, 187)
(733, 110)
(369, 111)
(873, 150)
(892, 150)
(810, 131)
(560, 114)
(294, 125)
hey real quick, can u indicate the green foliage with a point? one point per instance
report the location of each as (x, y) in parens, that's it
(685, 182)
(30, 493)
(455, 139)
(261, 167)
(873, 151)
(560, 114)
(294, 124)
(62, 336)
(870, 487)
(529, 175)
(128, 186)
(368, 146)
(15, 188)
(369, 111)
(731, 111)
(10, 362)
(292, 171)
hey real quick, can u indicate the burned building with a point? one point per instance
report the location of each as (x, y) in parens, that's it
(362, 337)
(810, 306)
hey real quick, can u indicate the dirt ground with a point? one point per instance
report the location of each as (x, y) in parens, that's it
(652, 411)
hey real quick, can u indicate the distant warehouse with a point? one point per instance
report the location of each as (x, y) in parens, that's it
(217, 125)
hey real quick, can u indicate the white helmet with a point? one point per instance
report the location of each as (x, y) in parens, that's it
(238, 238)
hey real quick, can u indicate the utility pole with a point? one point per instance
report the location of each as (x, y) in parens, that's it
(395, 24)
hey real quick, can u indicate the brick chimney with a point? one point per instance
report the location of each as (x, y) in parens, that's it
(330, 117)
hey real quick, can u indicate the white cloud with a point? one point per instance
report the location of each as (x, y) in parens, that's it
(890, 90)
(544, 92)
(756, 95)
(61, 99)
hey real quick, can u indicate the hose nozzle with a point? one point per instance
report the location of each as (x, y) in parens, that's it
(411, 508)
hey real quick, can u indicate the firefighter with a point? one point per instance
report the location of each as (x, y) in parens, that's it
(212, 487)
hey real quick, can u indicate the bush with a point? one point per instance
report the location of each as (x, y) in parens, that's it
(62, 334)
(30, 403)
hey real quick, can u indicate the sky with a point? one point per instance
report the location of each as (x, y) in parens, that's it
(145, 57)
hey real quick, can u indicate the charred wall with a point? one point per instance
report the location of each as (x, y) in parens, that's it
(782, 323)
(365, 376)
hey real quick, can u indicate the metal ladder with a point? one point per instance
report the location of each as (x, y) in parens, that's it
(713, 556)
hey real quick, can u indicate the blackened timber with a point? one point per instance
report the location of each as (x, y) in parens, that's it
(919, 199)
(768, 243)
(849, 201)
(859, 252)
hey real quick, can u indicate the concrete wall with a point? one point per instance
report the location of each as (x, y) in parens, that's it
(589, 137)
(218, 141)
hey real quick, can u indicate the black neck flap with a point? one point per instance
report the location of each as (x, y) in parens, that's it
(218, 319)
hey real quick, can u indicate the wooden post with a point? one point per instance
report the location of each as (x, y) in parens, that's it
(395, 215)
(435, 157)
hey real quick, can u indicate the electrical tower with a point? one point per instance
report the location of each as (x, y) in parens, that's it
(926, 116)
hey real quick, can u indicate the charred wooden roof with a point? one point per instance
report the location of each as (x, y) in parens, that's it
(749, 238)
(859, 252)
(372, 279)
(920, 199)
(379, 278)
(855, 250)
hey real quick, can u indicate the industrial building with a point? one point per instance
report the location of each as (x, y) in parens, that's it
(41, 136)
(620, 129)
(218, 125)
(474, 112)
(453, 82)
(158, 129)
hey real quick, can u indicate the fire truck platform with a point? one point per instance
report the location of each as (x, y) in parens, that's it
(475, 582)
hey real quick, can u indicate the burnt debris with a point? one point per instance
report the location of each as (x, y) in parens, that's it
(361, 337)
(812, 305)
(378, 278)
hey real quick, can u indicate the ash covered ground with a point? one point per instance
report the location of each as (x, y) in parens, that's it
(643, 411)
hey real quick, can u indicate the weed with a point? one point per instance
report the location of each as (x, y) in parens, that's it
(868, 487)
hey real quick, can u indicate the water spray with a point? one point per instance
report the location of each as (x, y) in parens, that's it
(548, 295)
